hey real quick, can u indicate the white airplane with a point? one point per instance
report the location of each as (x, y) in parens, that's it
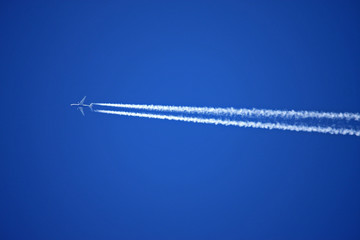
(81, 106)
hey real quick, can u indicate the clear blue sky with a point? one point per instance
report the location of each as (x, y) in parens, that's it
(65, 176)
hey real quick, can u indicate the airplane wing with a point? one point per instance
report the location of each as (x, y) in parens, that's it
(82, 100)
(82, 111)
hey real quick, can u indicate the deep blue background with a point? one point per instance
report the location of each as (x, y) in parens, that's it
(65, 176)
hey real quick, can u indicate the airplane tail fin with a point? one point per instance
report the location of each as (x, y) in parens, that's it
(91, 107)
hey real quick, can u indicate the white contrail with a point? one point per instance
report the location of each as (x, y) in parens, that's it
(240, 112)
(280, 126)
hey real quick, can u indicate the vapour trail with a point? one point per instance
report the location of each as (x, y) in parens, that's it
(280, 126)
(240, 112)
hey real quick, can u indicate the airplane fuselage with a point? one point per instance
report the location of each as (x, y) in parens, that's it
(80, 105)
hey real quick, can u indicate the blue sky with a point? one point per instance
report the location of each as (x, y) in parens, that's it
(65, 176)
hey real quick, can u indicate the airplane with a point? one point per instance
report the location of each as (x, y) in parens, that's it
(81, 105)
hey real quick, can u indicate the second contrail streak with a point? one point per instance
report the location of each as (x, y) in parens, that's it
(251, 124)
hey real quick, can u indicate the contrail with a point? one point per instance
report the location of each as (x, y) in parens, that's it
(239, 112)
(280, 126)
